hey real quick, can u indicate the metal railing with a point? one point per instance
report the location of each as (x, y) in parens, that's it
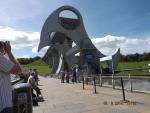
(16, 81)
(131, 83)
(113, 84)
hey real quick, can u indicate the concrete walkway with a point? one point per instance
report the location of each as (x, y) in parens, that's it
(70, 98)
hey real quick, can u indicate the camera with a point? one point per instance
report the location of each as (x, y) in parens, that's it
(3, 44)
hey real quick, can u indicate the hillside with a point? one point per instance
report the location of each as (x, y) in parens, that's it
(40, 66)
(38, 62)
(132, 65)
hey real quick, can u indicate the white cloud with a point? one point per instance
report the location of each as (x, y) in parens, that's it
(43, 50)
(25, 56)
(128, 45)
(34, 50)
(19, 39)
(107, 44)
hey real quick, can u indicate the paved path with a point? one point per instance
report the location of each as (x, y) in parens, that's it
(70, 98)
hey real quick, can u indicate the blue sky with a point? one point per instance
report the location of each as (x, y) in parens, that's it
(109, 23)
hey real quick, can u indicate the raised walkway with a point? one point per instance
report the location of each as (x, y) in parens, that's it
(71, 98)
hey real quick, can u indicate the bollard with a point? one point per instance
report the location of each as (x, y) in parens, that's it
(123, 93)
(131, 88)
(83, 81)
(113, 83)
(94, 84)
(100, 79)
(22, 98)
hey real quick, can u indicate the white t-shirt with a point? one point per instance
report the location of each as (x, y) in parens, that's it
(5, 82)
(31, 81)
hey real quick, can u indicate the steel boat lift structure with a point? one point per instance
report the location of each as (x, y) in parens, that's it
(59, 33)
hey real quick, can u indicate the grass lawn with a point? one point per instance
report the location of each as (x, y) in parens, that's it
(45, 70)
(134, 65)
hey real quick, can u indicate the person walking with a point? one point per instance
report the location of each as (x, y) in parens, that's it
(8, 65)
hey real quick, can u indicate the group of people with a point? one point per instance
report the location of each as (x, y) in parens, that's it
(9, 65)
(75, 75)
(33, 81)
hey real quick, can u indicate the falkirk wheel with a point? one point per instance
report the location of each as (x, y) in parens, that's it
(66, 37)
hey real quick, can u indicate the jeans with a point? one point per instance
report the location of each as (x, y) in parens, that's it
(7, 110)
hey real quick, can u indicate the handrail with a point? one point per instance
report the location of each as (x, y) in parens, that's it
(100, 78)
(118, 76)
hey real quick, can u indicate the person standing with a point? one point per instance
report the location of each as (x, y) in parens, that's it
(77, 74)
(8, 65)
(29, 72)
(36, 76)
(62, 76)
(74, 75)
(66, 75)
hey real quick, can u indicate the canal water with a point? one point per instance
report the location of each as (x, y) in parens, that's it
(141, 84)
